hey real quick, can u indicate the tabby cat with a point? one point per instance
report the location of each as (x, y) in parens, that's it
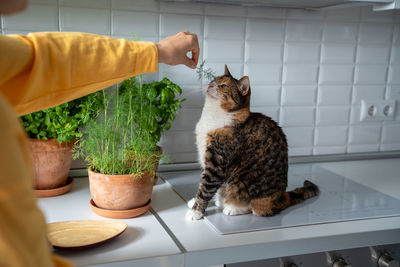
(243, 155)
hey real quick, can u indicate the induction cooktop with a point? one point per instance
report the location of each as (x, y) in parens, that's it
(340, 199)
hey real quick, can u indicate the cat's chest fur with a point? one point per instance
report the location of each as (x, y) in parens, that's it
(212, 118)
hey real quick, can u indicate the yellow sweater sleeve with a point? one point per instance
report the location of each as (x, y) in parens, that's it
(41, 70)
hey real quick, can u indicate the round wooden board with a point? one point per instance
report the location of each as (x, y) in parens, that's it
(75, 235)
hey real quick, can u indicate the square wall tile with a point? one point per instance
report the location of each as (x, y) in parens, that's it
(265, 30)
(140, 5)
(263, 95)
(178, 142)
(391, 133)
(194, 95)
(331, 136)
(394, 77)
(334, 94)
(338, 53)
(336, 74)
(298, 95)
(389, 147)
(302, 52)
(343, 14)
(340, 32)
(141, 23)
(375, 33)
(186, 120)
(236, 69)
(304, 31)
(300, 151)
(263, 52)
(328, 116)
(225, 10)
(223, 51)
(264, 74)
(370, 74)
(362, 148)
(272, 112)
(173, 23)
(180, 74)
(300, 74)
(373, 54)
(368, 93)
(297, 116)
(393, 92)
(365, 134)
(45, 2)
(85, 20)
(224, 28)
(266, 12)
(329, 150)
(367, 14)
(305, 14)
(395, 55)
(86, 3)
(181, 8)
(299, 136)
(34, 18)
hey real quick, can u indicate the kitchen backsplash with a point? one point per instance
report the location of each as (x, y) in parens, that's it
(309, 70)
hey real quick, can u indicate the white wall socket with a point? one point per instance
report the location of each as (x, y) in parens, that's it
(377, 111)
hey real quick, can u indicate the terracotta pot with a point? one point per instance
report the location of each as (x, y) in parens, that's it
(51, 161)
(120, 192)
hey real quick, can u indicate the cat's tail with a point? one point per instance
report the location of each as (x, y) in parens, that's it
(275, 203)
(300, 194)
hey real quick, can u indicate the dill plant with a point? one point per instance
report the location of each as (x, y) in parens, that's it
(118, 141)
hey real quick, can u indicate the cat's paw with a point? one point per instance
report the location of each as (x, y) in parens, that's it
(193, 215)
(232, 211)
(191, 203)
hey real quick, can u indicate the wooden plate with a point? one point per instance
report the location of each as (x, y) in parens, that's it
(55, 191)
(120, 214)
(75, 235)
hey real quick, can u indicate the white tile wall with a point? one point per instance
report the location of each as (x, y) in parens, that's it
(308, 70)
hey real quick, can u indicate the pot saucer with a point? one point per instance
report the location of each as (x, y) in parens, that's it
(120, 214)
(55, 191)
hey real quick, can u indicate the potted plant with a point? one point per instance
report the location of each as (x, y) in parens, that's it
(52, 134)
(120, 147)
(161, 96)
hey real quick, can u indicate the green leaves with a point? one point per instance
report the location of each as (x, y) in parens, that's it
(203, 72)
(63, 121)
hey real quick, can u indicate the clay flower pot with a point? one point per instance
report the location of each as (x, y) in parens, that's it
(51, 161)
(120, 192)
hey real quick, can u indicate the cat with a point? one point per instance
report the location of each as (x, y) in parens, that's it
(243, 155)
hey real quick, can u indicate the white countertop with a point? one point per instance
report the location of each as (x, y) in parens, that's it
(199, 239)
(177, 242)
(144, 242)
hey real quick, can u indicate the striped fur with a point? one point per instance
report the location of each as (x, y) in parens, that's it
(243, 155)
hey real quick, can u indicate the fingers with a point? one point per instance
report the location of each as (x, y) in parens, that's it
(172, 50)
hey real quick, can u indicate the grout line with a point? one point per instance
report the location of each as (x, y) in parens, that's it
(386, 85)
(353, 83)
(317, 92)
(282, 67)
(169, 232)
(111, 18)
(59, 15)
(246, 18)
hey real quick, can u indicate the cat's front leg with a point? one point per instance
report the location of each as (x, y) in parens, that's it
(210, 182)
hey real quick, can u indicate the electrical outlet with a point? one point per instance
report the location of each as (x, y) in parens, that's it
(377, 111)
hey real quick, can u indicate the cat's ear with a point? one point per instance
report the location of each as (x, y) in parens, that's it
(227, 71)
(244, 85)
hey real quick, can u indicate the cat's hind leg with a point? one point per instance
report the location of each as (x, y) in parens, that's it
(236, 199)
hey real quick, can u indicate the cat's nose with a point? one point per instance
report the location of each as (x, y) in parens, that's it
(212, 85)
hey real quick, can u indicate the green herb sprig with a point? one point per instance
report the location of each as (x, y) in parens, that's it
(204, 72)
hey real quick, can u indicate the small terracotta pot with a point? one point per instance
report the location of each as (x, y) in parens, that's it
(120, 192)
(51, 161)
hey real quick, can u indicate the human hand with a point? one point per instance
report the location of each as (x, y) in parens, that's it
(173, 49)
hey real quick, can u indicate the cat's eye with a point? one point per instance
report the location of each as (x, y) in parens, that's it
(224, 86)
